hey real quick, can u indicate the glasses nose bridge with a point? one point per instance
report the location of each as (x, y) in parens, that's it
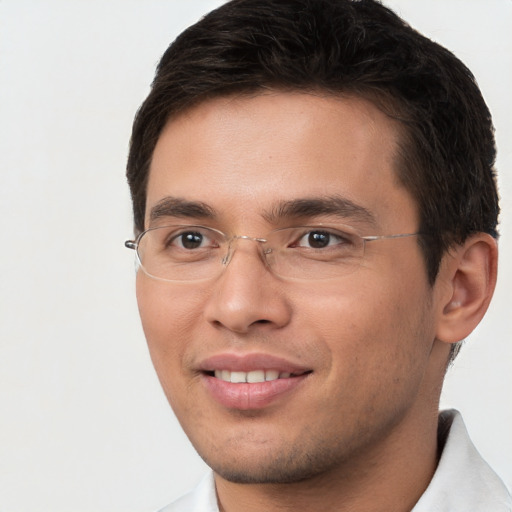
(233, 242)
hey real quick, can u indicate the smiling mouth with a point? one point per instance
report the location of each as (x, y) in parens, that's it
(251, 383)
(254, 376)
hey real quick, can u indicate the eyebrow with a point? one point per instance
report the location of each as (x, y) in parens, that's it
(337, 206)
(177, 207)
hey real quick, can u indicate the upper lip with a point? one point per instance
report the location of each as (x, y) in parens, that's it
(249, 362)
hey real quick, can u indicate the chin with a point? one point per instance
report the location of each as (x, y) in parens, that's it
(274, 474)
(273, 468)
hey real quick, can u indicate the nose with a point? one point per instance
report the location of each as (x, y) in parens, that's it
(247, 295)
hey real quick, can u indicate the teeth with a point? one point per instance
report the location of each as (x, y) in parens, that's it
(271, 375)
(256, 376)
(237, 377)
(251, 377)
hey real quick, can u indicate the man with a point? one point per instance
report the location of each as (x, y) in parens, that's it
(316, 210)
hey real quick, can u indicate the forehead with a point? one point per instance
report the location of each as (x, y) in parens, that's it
(242, 155)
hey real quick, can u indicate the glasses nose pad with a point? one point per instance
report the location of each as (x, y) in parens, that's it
(229, 254)
(264, 251)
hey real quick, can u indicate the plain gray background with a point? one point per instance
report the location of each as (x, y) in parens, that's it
(84, 425)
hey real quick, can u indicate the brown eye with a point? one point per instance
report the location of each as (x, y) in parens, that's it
(189, 240)
(320, 239)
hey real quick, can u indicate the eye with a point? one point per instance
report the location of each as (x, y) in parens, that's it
(320, 239)
(189, 240)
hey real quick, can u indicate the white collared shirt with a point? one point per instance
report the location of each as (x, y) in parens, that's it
(463, 481)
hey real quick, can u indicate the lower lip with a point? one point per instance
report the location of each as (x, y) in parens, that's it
(245, 396)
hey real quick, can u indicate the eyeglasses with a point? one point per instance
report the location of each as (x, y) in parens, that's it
(192, 253)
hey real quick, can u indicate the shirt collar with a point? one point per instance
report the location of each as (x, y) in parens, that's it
(463, 480)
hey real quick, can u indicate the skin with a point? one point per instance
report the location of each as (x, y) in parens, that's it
(366, 415)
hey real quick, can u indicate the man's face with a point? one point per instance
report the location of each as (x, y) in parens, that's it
(357, 346)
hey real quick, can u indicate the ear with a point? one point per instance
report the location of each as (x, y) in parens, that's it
(467, 278)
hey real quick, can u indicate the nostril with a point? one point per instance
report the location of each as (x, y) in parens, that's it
(262, 322)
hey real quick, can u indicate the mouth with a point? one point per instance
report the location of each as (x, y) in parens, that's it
(253, 381)
(254, 376)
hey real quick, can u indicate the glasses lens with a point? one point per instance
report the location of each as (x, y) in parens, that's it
(181, 253)
(314, 252)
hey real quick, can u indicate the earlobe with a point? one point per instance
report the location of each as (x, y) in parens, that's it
(469, 271)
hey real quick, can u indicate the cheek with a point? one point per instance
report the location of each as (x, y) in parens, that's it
(169, 316)
(372, 329)
(350, 307)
